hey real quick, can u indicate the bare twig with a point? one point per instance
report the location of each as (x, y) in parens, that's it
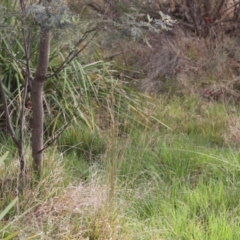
(18, 62)
(73, 53)
(96, 7)
(26, 43)
(217, 11)
(8, 119)
(50, 141)
(231, 7)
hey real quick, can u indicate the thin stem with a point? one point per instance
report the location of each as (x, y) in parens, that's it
(8, 119)
(72, 54)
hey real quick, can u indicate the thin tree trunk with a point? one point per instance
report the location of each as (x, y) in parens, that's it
(37, 101)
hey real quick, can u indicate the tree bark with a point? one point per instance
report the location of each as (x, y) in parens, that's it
(37, 101)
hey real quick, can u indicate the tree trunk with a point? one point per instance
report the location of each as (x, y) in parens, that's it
(37, 101)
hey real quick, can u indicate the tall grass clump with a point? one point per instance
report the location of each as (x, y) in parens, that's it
(151, 183)
(53, 182)
(179, 190)
(90, 94)
(7, 209)
(82, 141)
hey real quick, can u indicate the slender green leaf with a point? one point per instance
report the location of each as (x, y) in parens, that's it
(8, 208)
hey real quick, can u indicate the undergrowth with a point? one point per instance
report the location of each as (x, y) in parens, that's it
(128, 166)
(149, 182)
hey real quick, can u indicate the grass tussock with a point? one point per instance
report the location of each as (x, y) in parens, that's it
(152, 182)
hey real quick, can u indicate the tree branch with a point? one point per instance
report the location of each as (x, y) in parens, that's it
(217, 11)
(8, 120)
(72, 54)
(96, 7)
(51, 140)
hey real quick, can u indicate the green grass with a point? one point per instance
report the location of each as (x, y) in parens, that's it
(128, 166)
(188, 196)
(149, 183)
